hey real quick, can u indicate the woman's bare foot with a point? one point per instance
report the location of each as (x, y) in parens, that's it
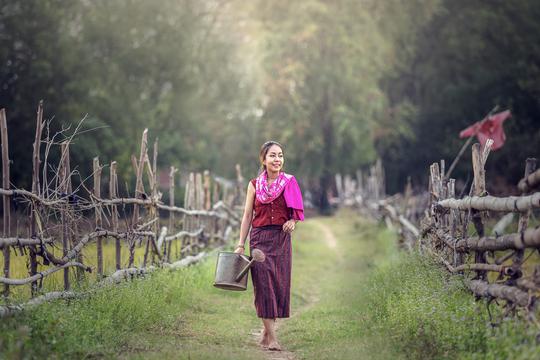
(274, 346)
(264, 339)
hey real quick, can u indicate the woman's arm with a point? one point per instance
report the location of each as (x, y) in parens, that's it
(246, 218)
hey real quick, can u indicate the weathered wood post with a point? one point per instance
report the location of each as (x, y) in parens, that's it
(207, 206)
(435, 190)
(139, 188)
(199, 191)
(207, 198)
(139, 193)
(64, 175)
(530, 167)
(154, 208)
(6, 198)
(215, 200)
(215, 192)
(97, 211)
(479, 190)
(189, 204)
(113, 193)
(171, 213)
(199, 200)
(35, 190)
(239, 188)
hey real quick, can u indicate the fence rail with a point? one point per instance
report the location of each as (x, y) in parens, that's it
(56, 216)
(495, 266)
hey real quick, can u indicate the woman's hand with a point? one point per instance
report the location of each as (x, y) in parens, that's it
(239, 249)
(289, 226)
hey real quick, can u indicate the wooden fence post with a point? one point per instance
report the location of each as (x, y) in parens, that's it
(199, 191)
(207, 199)
(139, 192)
(139, 188)
(64, 178)
(239, 188)
(35, 190)
(479, 190)
(99, 222)
(113, 193)
(530, 167)
(6, 198)
(172, 226)
(215, 192)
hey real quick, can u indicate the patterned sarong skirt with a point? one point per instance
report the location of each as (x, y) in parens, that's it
(272, 278)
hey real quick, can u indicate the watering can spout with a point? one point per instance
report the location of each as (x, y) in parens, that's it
(257, 256)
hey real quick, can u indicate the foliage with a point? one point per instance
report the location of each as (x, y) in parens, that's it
(469, 57)
(167, 65)
(339, 83)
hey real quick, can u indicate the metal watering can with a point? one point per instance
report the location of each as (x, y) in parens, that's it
(232, 269)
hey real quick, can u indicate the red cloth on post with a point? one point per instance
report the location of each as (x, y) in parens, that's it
(489, 128)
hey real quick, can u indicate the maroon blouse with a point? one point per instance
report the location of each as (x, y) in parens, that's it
(273, 213)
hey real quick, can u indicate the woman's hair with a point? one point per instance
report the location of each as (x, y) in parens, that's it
(264, 150)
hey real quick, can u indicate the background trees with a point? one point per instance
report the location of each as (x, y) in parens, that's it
(339, 83)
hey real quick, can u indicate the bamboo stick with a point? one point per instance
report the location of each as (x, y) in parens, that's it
(492, 203)
(113, 188)
(154, 208)
(64, 175)
(31, 196)
(139, 189)
(99, 223)
(479, 190)
(152, 178)
(215, 192)
(182, 234)
(172, 171)
(505, 292)
(11, 241)
(207, 199)
(43, 274)
(529, 182)
(6, 200)
(530, 166)
(35, 190)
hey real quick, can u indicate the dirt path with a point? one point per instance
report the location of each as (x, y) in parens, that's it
(201, 331)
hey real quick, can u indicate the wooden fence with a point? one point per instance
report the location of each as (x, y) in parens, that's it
(54, 217)
(497, 266)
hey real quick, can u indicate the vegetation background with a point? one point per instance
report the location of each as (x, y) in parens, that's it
(339, 83)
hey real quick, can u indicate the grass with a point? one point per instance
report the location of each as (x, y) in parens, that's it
(55, 282)
(361, 299)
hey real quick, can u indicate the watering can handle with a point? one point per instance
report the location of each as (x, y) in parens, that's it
(244, 270)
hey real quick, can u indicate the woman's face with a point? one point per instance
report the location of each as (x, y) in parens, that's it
(274, 159)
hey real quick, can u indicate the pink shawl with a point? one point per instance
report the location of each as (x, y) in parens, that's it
(285, 183)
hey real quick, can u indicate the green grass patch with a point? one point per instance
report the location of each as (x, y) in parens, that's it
(379, 303)
(19, 267)
(177, 313)
(353, 296)
(427, 314)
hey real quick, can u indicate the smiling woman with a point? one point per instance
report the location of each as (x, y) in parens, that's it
(273, 207)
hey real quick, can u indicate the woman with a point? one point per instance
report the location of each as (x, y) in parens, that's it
(273, 207)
